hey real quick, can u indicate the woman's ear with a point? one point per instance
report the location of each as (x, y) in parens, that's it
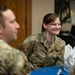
(44, 25)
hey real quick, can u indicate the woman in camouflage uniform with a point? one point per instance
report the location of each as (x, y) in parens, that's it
(45, 49)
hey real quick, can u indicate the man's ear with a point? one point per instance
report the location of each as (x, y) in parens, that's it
(1, 28)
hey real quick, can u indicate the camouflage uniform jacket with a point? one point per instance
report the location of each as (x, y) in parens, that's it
(42, 53)
(12, 61)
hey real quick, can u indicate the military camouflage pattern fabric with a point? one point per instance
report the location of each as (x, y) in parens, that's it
(12, 61)
(42, 53)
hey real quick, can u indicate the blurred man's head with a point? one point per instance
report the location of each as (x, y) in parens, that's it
(8, 25)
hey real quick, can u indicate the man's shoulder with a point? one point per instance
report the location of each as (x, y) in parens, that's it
(8, 54)
(7, 50)
(11, 58)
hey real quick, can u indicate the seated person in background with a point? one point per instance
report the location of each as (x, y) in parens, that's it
(45, 49)
(12, 61)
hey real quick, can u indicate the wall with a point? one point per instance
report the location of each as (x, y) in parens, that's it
(39, 9)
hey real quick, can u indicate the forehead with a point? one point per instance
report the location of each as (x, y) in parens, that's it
(57, 20)
(8, 14)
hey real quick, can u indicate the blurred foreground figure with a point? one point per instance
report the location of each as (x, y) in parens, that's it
(12, 61)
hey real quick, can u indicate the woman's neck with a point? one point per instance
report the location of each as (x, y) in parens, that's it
(50, 37)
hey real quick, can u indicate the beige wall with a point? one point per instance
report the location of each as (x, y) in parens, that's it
(39, 9)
